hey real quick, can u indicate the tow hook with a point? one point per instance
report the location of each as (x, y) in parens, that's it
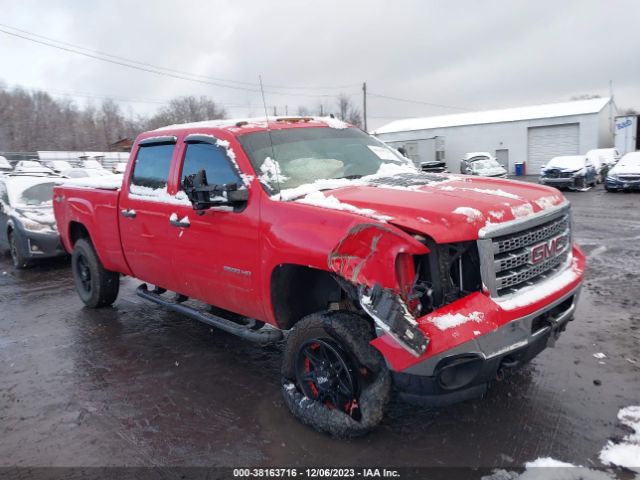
(507, 364)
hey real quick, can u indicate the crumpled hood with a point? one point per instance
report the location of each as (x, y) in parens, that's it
(42, 215)
(490, 172)
(454, 209)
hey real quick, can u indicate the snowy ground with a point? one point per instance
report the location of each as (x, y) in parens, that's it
(136, 385)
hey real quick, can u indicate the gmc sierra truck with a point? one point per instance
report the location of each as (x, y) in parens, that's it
(375, 275)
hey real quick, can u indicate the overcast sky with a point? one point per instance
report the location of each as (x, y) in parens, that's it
(470, 55)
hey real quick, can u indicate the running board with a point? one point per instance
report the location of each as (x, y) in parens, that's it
(264, 335)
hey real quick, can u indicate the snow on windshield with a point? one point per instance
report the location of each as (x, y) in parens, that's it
(30, 191)
(289, 158)
(630, 159)
(574, 162)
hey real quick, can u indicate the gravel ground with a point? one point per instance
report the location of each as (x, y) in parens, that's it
(139, 386)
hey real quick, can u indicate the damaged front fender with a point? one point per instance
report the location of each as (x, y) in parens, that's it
(367, 257)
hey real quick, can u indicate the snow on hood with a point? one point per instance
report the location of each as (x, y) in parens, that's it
(446, 207)
(568, 162)
(41, 215)
(626, 166)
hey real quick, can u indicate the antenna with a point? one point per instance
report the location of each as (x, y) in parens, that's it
(273, 151)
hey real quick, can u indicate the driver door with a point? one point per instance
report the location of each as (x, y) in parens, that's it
(216, 252)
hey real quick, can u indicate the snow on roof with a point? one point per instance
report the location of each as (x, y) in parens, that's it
(550, 110)
(231, 122)
(76, 155)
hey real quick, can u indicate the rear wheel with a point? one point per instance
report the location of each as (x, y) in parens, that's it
(333, 379)
(96, 286)
(18, 259)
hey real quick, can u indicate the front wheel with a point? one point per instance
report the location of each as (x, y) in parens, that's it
(18, 259)
(332, 378)
(96, 286)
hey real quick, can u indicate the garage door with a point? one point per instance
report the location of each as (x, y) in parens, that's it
(551, 141)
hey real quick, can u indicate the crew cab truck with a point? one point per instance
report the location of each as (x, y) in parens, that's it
(309, 230)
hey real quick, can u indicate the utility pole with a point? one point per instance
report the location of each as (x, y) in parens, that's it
(611, 107)
(275, 111)
(321, 111)
(364, 105)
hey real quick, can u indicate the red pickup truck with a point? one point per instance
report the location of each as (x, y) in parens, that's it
(306, 229)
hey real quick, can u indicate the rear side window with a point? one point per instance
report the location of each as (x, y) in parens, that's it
(213, 160)
(152, 165)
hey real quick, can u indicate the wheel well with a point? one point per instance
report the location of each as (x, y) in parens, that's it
(77, 231)
(297, 291)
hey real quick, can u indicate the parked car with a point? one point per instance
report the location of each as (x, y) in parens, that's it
(625, 175)
(31, 166)
(482, 164)
(378, 272)
(5, 166)
(94, 164)
(603, 159)
(86, 172)
(57, 166)
(27, 225)
(575, 172)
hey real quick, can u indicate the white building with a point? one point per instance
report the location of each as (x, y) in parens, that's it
(532, 134)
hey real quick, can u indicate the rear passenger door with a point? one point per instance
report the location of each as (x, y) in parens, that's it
(216, 254)
(144, 211)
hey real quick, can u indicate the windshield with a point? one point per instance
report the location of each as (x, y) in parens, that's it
(304, 155)
(484, 164)
(38, 195)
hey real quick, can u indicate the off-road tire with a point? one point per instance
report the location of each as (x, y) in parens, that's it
(103, 285)
(352, 334)
(20, 262)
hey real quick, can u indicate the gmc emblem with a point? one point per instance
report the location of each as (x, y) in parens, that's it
(549, 249)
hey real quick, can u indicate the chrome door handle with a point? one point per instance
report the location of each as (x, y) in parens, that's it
(128, 213)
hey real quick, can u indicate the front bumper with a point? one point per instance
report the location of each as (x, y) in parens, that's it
(614, 184)
(36, 245)
(466, 371)
(559, 182)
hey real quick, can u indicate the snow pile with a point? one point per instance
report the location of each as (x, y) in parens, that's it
(523, 210)
(138, 192)
(472, 214)
(109, 182)
(547, 462)
(333, 122)
(626, 453)
(270, 173)
(318, 199)
(451, 320)
(487, 191)
(497, 214)
(548, 201)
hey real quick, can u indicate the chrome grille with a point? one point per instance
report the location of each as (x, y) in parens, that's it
(507, 258)
(629, 178)
(520, 240)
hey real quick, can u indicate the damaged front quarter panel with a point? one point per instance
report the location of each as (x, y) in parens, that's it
(368, 258)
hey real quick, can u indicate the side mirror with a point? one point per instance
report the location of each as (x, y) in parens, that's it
(203, 196)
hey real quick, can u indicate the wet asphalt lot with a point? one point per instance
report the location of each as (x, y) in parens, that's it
(136, 385)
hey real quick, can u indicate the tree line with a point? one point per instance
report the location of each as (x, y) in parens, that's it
(34, 120)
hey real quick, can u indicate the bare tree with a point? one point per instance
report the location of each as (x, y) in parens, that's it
(187, 109)
(348, 112)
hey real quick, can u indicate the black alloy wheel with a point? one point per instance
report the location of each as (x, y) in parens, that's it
(325, 373)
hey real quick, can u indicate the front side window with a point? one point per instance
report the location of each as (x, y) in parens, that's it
(213, 160)
(152, 165)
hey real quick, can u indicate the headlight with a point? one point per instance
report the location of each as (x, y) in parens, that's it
(612, 176)
(32, 226)
(580, 172)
